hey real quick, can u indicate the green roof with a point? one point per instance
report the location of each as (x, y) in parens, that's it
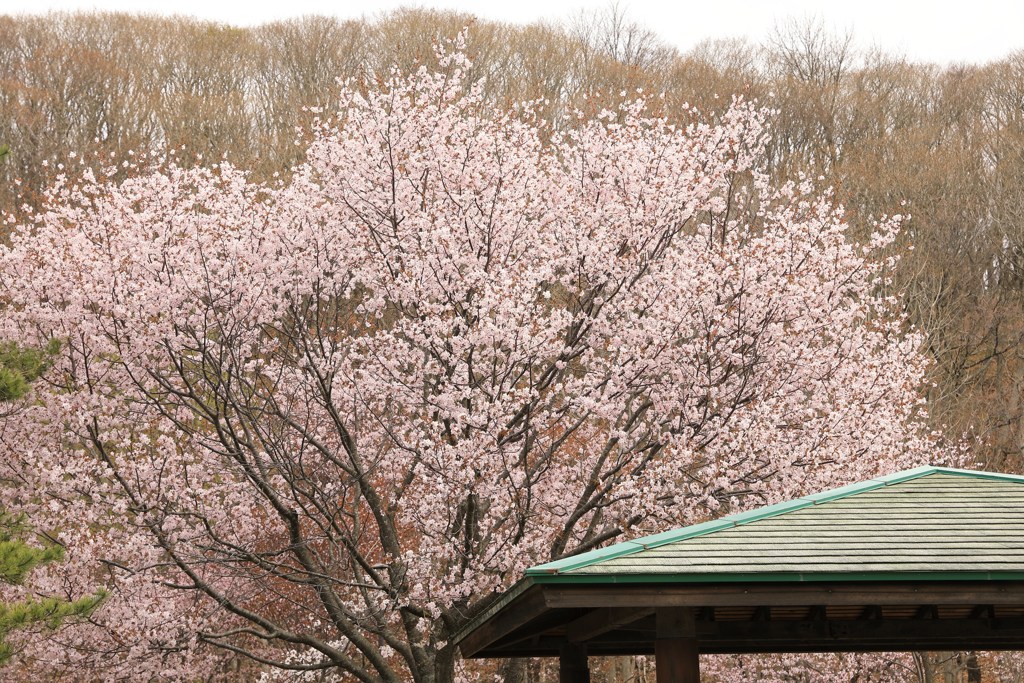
(929, 523)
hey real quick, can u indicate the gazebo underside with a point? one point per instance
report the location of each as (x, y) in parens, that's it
(678, 622)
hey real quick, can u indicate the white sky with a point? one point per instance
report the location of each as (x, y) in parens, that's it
(940, 31)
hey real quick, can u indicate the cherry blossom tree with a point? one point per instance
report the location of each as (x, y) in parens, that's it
(319, 424)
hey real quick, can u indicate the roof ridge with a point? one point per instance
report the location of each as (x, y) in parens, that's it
(740, 518)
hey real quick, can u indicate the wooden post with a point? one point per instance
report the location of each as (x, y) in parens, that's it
(572, 664)
(675, 646)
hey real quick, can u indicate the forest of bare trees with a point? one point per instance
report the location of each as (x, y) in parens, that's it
(942, 143)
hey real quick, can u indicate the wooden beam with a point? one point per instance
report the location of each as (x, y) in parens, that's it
(983, 612)
(601, 621)
(847, 635)
(676, 657)
(572, 664)
(871, 612)
(528, 606)
(783, 595)
(868, 634)
(675, 622)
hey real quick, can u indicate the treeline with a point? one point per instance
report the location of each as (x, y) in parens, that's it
(944, 144)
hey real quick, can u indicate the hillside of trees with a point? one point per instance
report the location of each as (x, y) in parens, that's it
(944, 144)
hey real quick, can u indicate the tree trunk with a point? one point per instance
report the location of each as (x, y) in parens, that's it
(513, 670)
(924, 669)
(973, 668)
(444, 665)
(625, 669)
(950, 666)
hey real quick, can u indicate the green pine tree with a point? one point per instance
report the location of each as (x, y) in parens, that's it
(18, 369)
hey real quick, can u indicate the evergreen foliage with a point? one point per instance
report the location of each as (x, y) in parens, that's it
(17, 559)
(18, 368)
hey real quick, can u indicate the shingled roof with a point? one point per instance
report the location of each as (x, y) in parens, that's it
(944, 523)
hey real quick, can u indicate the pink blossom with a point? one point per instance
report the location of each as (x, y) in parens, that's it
(326, 421)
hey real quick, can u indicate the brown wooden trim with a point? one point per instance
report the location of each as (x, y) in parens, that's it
(853, 635)
(806, 636)
(782, 595)
(601, 621)
(675, 622)
(907, 633)
(871, 612)
(524, 609)
(983, 612)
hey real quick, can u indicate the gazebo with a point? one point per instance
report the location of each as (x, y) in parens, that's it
(927, 559)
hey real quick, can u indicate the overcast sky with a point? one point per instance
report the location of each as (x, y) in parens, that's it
(939, 31)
